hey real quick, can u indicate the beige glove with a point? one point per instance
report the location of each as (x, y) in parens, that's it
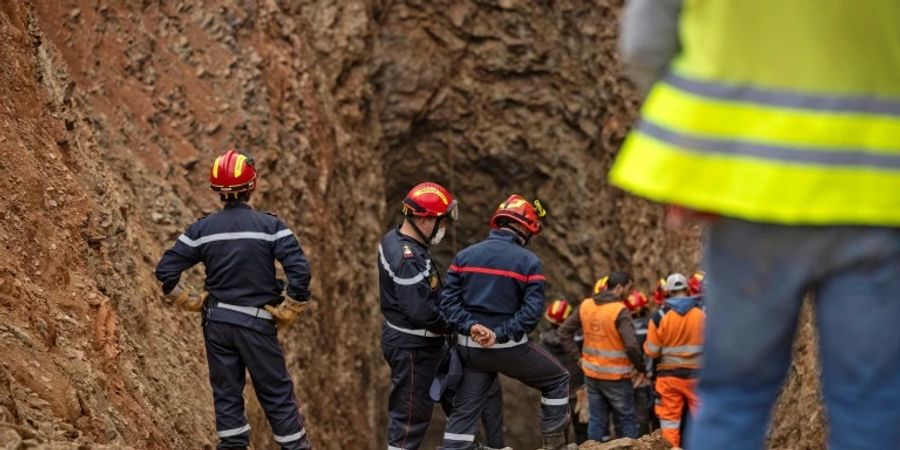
(187, 300)
(287, 312)
(582, 412)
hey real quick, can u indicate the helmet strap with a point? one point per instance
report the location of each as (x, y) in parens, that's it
(426, 240)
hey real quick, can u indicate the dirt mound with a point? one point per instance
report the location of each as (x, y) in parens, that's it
(653, 441)
(112, 111)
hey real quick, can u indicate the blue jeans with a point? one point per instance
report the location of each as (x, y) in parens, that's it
(757, 276)
(616, 395)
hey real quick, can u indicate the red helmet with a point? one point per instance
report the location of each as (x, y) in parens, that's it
(517, 209)
(232, 173)
(430, 200)
(695, 283)
(558, 312)
(636, 301)
(600, 285)
(660, 295)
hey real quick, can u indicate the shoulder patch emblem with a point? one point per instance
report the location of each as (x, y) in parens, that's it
(407, 252)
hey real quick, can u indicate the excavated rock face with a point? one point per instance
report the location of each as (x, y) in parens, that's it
(112, 112)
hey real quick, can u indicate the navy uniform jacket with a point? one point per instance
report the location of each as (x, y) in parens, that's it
(239, 246)
(409, 288)
(497, 283)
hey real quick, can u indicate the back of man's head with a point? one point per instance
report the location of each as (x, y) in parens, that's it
(616, 279)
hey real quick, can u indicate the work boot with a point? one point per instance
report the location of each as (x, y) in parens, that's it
(557, 440)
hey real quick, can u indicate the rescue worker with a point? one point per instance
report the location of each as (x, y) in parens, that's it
(636, 302)
(245, 303)
(678, 341)
(412, 334)
(494, 297)
(786, 115)
(555, 315)
(609, 355)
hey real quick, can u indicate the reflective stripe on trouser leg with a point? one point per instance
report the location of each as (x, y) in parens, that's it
(471, 394)
(409, 403)
(671, 407)
(226, 377)
(274, 387)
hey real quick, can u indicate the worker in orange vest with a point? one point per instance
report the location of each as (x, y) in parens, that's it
(609, 356)
(677, 339)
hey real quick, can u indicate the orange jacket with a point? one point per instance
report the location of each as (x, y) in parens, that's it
(678, 338)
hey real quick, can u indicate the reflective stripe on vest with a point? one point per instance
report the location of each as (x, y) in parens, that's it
(789, 129)
(667, 361)
(603, 355)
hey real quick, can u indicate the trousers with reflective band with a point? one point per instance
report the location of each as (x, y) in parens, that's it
(678, 339)
(603, 356)
(773, 117)
(674, 393)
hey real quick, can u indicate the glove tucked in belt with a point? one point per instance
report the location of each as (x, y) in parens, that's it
(287, 311)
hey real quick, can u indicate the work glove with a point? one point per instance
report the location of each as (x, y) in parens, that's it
(186, 299)
(582, 412)
(287, 311)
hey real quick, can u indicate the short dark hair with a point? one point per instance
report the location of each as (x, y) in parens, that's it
(237, 197)
(618, 278)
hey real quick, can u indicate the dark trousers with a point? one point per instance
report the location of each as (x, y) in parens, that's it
(527, 363)
(491, 414)
(617, 395)
(580, 429)
(409, 403)
(231, 351)
(643, 408)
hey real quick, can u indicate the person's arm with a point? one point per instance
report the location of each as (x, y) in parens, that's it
(651, 345)
(626, 330)
(414, 299)
(526, 319)
(182, 256)
(452, 303)
(567, 333)
(649, 39)
(296, 267)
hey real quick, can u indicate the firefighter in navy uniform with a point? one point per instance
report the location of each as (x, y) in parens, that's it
(413, 333)
(494, 297)
(244, 305)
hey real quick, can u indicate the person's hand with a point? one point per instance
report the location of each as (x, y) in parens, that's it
(483, 335)
(186, 299)
(582, 412)
(638, 379)
(287, 311)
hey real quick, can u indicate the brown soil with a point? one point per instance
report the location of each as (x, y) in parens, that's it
(112, 110)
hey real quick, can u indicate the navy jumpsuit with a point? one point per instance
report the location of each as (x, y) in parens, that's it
(239, 246)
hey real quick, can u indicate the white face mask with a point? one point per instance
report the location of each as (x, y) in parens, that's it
(438, 236)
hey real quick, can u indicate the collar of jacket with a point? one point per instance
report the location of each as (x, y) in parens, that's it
(410, 239)
(606, 297)
(504, 235)
(232, 205)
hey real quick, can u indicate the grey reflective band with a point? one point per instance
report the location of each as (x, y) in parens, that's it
(289, 438)
(466, 341)
(420, 333)
(652, 347)
(403, 281)
(682, 349)
(554, 401)
(670, 424)
(604, 353)
(459, 437)
(233, 431)
(641, 332)
(391, 447)
(606, 369)
(786, 99)
(248, 310)
(235, 236)
(841, 157)
(676, 360)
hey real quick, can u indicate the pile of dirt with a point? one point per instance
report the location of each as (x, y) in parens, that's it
(112, 111)
(653, 441)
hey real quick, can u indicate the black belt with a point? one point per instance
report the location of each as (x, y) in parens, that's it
(678, 373)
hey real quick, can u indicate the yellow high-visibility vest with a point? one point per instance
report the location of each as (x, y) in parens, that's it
(782, 111)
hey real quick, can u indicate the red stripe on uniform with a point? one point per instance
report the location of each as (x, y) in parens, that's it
(498, 272)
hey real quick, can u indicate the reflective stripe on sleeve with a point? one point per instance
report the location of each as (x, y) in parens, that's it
(270, 237)
(399, 280)
(233, 431)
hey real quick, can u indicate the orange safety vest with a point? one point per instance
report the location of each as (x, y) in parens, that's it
(603, 355)
(678, 340)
